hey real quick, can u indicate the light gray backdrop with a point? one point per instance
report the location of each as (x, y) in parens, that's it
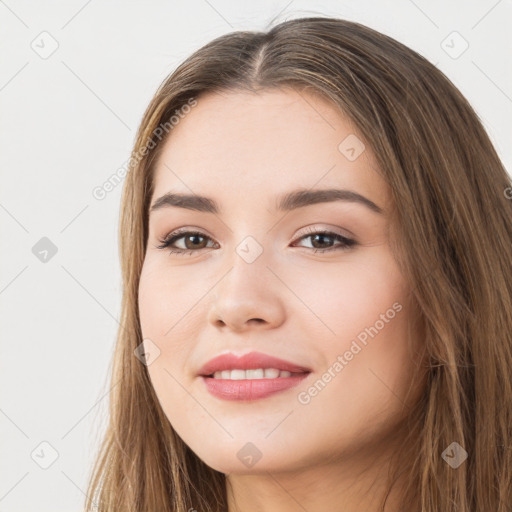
(75, 78)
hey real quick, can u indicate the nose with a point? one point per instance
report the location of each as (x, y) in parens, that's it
(248, 297)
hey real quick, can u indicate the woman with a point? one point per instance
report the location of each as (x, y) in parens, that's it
(317, 306)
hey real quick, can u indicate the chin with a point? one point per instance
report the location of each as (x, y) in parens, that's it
(245, 458)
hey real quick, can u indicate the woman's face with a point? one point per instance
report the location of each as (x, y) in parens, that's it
(251, 281)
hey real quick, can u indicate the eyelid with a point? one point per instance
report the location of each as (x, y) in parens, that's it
(321, 229)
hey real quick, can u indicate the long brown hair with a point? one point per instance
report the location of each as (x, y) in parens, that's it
(452, 223)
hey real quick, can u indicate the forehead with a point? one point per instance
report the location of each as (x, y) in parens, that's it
(239, 145)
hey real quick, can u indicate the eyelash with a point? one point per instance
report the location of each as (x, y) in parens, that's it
(346, 243)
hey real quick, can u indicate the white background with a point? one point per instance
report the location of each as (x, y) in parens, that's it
(67, 123)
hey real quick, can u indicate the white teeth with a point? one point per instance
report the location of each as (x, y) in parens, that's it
(260, 373)
(255, 374)
(271, 373)
(237, 375)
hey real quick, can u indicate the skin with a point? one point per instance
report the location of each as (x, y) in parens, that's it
(242, 150)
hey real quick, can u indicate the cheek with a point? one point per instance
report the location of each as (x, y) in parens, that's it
(150, 295)
(169, 317)
(365, 391)
(361, 314)
(346, 298)
(167, 299)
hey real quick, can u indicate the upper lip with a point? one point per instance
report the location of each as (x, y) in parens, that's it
(249, 361)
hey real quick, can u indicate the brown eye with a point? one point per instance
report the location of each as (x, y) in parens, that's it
(319, 241)
(193, 240)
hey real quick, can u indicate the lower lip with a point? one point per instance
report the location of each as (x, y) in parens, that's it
(250, 389)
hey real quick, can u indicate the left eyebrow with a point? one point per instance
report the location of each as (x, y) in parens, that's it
(287, 202)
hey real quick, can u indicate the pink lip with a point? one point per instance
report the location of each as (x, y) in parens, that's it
(250, 389)
(249, 361)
